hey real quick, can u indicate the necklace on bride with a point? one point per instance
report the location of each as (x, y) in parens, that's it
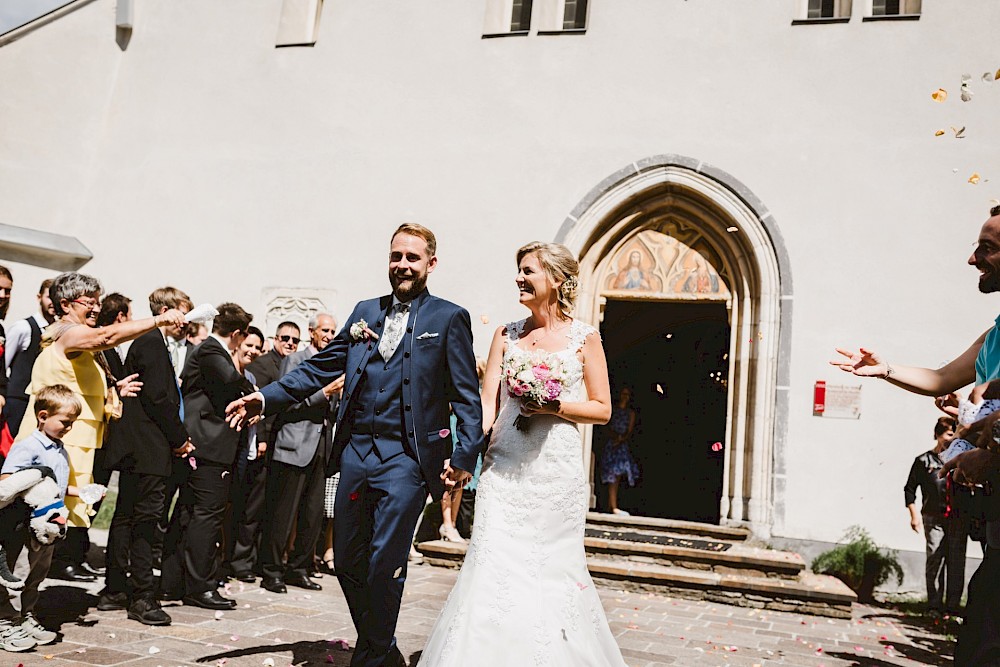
(535, 340)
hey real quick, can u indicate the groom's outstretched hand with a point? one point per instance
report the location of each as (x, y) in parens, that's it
(245, 410)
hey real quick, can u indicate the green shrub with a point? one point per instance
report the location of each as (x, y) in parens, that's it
(860, 563)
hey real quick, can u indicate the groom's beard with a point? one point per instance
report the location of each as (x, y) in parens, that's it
(406, 288)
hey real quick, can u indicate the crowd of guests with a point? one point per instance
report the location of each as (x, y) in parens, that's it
(87, 388)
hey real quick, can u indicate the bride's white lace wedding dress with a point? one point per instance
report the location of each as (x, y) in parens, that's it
(524, 595)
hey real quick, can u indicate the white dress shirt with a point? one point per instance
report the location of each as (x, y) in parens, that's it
(18, 337)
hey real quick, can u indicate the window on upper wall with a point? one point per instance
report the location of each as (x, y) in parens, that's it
(517, 17)
(575, 15)
(895, 7)
(828, 9)
(520, 16)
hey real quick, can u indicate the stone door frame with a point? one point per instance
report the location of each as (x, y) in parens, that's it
(756, 269)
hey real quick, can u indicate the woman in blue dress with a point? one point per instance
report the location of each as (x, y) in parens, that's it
(616, 459)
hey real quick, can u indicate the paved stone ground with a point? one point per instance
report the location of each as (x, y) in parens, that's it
(299, 629)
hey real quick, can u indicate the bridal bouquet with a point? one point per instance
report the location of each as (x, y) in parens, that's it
(538, 379)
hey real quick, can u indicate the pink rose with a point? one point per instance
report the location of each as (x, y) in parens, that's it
(552, 389)
(518, 389)
(541, 372)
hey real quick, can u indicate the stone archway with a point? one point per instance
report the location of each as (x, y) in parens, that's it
(675, 190)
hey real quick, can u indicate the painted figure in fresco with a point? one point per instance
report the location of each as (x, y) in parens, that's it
(632, 277)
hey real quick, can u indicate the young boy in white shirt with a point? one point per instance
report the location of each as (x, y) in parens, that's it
(56, 409)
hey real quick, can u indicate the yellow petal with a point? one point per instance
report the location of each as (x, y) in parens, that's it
(940, 95)
(975, 178)
(939, 133)
(997, 75)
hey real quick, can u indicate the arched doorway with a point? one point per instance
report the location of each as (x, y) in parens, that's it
(684, 271)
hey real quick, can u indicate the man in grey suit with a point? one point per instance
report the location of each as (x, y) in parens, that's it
(296, 481)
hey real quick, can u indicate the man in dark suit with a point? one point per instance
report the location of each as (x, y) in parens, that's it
(209, 383)
(406, 357)
(243, 556)
(142, 446)
(296, 484)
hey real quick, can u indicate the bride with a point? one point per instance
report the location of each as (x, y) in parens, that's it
(524, 595)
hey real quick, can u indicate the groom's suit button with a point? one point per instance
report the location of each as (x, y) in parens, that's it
(406, 380)
(358, 371)
(381, 390)
(407, 408)
(406, 355)
(378, 412)
(409, 329)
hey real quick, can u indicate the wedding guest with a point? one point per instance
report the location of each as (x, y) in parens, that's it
(6, 288)
(209, 383)
(149, 436)
(617, 463)
(246, 498)
(244, 559)
(70, 355)
(56, 409)
(24, 342)
(467, 506)
(196, 333)
(296, 483)
(451, 500)
(931, 516)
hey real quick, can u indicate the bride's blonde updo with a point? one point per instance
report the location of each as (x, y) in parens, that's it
(561, 267)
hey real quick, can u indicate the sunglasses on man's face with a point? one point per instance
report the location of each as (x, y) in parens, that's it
(292, 339)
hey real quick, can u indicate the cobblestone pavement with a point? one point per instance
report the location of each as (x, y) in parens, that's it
(300, 628)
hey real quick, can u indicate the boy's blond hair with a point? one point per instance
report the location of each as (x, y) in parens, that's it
(57, 398)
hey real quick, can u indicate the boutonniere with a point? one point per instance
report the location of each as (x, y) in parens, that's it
(360, 331)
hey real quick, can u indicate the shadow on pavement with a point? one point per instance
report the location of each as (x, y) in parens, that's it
(58, 605)
(303, 653)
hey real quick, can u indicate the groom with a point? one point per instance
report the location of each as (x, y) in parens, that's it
(407, 357)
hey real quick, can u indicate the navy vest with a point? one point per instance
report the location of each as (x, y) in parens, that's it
(20, 367)
(377, 408)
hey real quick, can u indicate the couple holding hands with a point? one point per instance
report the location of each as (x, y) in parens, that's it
(524, 595)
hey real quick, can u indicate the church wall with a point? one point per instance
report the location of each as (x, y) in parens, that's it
(204, 157)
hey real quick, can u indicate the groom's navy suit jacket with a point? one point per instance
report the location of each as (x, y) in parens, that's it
(438, 370)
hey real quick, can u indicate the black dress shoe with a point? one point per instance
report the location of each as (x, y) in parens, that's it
(209, 600)
(246, 577)
(147, 611)
(89, 569)
(112, 602)
(70, 573)
(273, 584)
(302, 582)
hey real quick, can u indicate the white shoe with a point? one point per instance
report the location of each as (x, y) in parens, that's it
(620, 512)
(37, 631)
(14, 639)
(415, 556)
(450, 534)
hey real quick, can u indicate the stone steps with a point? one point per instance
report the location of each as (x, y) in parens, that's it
(729, 571)
(675, 526)
(738, 559)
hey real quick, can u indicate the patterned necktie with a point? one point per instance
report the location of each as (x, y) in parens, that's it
(393, 332)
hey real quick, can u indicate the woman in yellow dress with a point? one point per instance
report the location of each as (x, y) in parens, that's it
(71, 355)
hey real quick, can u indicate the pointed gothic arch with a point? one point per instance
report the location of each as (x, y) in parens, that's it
(740, 240)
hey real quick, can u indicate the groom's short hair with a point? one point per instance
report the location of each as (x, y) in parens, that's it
(413, 229)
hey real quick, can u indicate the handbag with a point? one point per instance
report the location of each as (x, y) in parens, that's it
(112, 404)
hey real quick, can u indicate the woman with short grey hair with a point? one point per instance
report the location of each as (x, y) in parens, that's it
(71, 355)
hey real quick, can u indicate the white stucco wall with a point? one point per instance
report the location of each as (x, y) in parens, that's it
(204, 157)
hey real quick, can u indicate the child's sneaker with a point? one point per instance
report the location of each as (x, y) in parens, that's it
(13, 638)
(36, 631)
